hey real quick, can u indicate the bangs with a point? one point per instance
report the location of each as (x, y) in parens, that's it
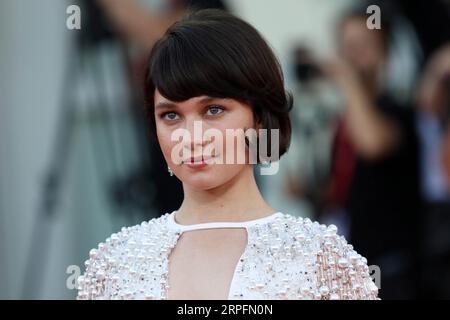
(190, 64)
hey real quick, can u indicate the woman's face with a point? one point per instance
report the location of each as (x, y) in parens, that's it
(192, 155)
(360, 46)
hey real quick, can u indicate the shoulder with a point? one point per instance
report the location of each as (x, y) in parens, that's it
(110, 255)
(340, 272)
(308, 232)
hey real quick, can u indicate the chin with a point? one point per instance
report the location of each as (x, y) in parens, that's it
(208, 179)
(203, 182)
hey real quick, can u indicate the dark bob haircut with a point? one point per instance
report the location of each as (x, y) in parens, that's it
(211, 52)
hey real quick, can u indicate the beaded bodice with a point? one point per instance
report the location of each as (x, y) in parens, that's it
(286, 257)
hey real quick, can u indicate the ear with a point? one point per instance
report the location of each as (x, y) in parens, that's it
(257, 123)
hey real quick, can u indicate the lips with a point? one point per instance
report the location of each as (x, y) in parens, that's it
(197, 160)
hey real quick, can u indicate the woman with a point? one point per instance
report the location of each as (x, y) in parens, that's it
(225, 241)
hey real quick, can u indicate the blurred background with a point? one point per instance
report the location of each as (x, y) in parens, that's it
(370, 149)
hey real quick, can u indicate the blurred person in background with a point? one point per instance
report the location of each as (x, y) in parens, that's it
(433, 103)
(316, 107)
(374, 171)
(142, 26)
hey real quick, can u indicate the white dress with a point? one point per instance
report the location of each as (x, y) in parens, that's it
(286, 257)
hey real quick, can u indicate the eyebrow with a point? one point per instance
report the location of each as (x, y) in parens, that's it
(169, 104)
(164, 105)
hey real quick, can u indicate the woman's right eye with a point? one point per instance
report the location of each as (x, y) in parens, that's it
(170, 116)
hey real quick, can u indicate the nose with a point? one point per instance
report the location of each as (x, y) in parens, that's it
(195, 142)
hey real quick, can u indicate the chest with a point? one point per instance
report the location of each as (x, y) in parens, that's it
(202, 265)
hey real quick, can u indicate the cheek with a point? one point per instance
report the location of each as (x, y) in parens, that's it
(374, 53)
(239, 120)
(165, 142)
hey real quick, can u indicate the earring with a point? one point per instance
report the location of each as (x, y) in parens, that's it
(170, 171)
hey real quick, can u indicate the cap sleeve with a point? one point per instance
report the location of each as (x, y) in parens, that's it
(341, 272)
(94, 283)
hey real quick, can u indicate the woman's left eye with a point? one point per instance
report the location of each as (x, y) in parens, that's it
(214, 110)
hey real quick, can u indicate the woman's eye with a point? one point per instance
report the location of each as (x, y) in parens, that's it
(170, 116)
(214, 110)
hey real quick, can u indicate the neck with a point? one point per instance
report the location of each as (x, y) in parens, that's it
(237, 200)
(370, 84)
